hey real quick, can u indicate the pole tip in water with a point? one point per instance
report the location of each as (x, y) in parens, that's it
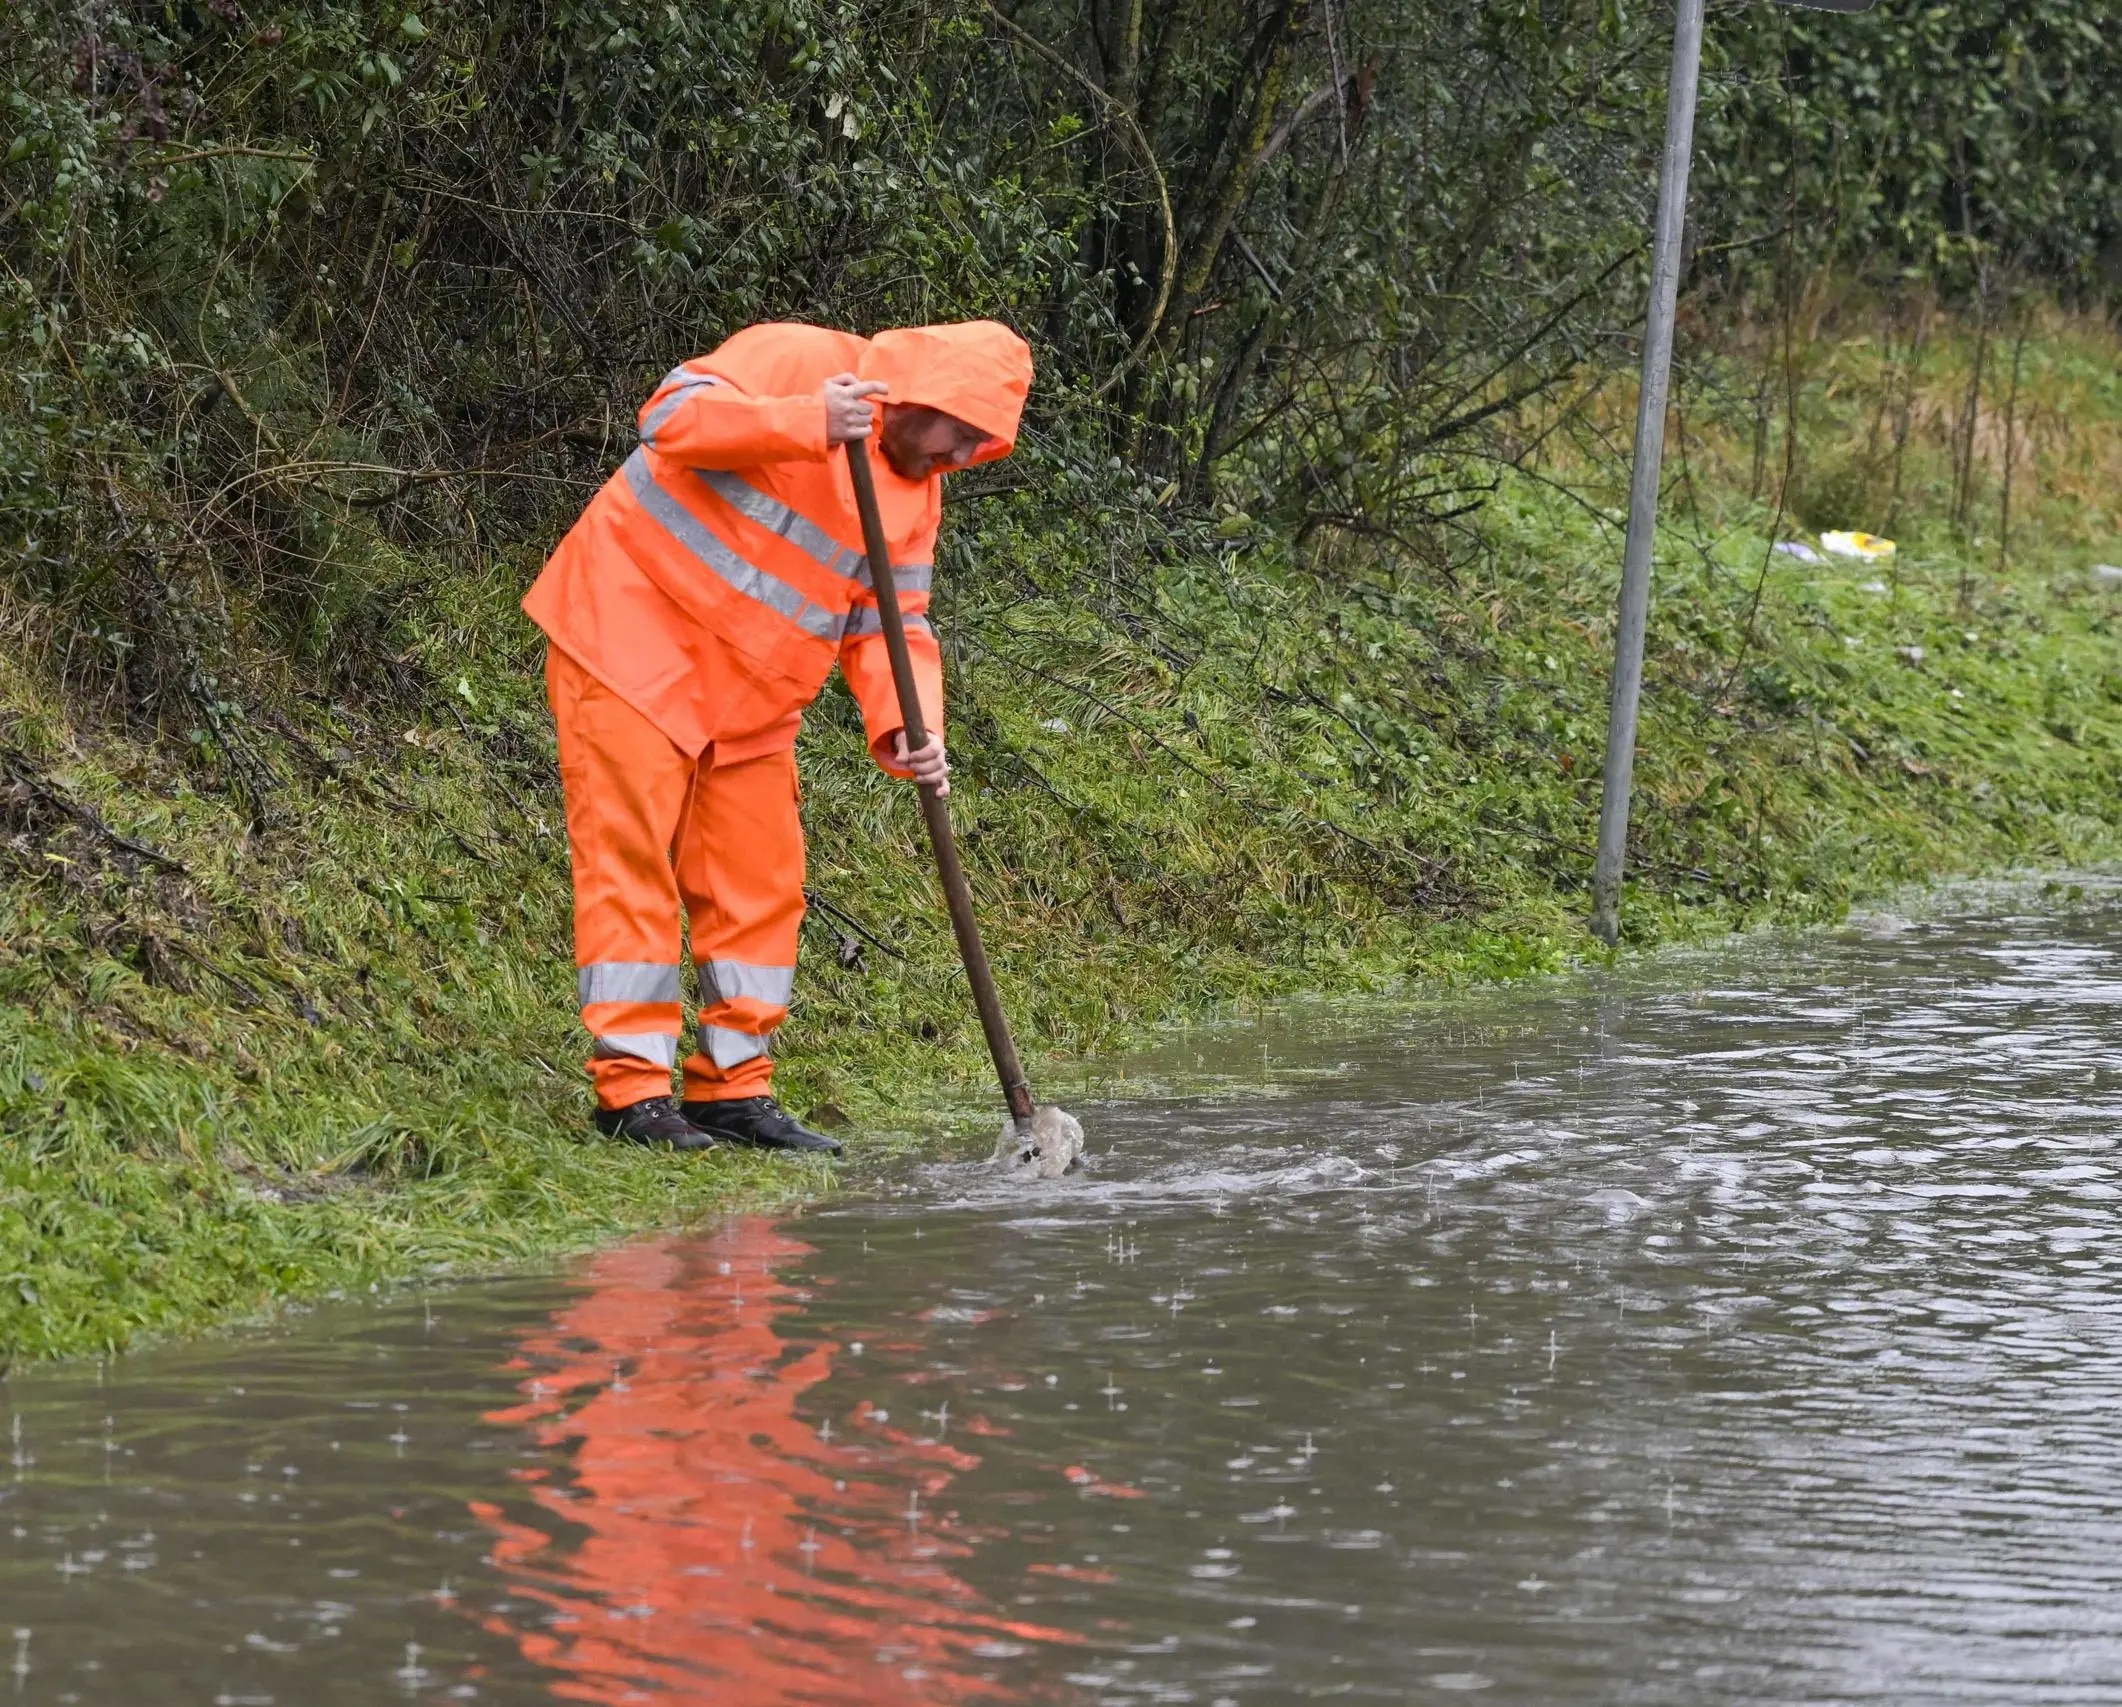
(1046, 1146)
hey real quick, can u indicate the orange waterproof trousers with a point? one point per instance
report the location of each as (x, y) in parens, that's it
(650, 830)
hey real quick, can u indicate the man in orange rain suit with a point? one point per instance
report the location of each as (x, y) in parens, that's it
(693, 611)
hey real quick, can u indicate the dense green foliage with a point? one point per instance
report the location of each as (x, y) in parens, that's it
(1944, 140)
(294, 292)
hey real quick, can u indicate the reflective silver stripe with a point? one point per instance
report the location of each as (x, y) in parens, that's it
(754, 583)
(687, 382)
(740, 980)
(627, 981)
(863, 619)
(727, 1048)
(776, 517)
(907, 577)
(654, 1046)
(683, 375)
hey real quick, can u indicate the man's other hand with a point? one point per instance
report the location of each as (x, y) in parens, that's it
(848, 414)
(930, 764)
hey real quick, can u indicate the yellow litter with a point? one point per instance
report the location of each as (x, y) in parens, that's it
(1868, 545)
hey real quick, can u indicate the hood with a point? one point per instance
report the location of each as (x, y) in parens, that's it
(977, 370)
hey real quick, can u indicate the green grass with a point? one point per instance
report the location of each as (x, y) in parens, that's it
(331, 1041)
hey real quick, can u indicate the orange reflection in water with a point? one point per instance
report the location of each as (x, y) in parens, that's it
(709, 1544)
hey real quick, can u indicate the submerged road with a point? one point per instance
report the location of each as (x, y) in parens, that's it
(1742, 1327)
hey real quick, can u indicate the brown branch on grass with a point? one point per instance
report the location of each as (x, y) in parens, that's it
(326, 765)
(840, 914)
(305, 1009)
(2011, 446)
(247, 991)
(18, 766)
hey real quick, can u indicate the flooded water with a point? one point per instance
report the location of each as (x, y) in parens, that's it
(1745, 1328)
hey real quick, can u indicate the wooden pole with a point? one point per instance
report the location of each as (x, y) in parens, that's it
(935, 812)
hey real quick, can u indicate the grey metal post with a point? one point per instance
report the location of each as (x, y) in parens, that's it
(1649, 467)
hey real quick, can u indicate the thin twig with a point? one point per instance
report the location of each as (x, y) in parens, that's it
(831, 911)
(225, 153)
(19, 767)
(255, 996)
(428, 186)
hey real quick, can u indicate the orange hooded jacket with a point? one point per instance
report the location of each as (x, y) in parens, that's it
(716, 578)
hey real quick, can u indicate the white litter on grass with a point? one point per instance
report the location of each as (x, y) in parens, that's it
(2107, 573)
(1058, 725)
(1875, 587)
(1799, 549)
(1866, 545)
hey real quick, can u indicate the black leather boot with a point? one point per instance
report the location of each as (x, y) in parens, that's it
(654, 1120)
(759, 1123)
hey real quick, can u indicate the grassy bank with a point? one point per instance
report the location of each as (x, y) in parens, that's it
(285, 997)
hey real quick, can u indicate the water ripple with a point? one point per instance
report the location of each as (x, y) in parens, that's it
(1745, 1327)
